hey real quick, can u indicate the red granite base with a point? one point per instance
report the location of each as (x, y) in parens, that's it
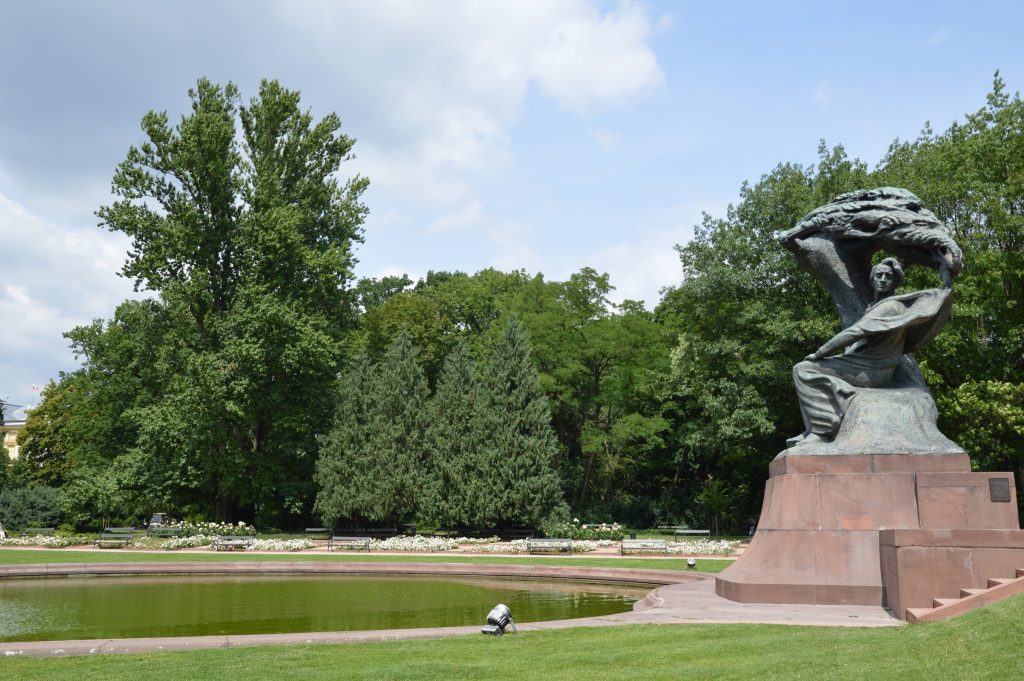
(919, 566)
(818, 537)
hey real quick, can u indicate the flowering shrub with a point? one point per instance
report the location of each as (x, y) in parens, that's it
(48, 541)
(585, 545)
(478, 540)
(191, 542)
(516, 546)
(194, 529)
(578, 530)
(522, 546)
(280, 545)
(705, 547)
(417, 543)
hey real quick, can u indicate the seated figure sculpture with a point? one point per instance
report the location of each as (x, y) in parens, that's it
(836, 243)
(890, 327)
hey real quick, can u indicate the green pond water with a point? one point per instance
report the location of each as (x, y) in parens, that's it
(131, 607)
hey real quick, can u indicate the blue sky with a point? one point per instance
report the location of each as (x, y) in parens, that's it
(548, 135)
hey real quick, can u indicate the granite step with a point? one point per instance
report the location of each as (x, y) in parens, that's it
(970, 599)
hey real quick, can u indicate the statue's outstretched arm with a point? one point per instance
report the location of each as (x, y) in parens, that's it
(839, 341)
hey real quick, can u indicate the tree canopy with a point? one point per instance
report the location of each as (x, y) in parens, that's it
(492, 398)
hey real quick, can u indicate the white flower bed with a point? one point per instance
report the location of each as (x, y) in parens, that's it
(478, 540)
(522, 546)
(214, 529)
(46, 541)
(516, 546)
(192, 542)
(280, 545)
(416, 543)
(705, 547)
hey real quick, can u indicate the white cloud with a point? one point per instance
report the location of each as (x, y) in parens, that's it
(641, 267)
(53, 279)
(648, 262)
(586, 58)
(513, 251)
(940, 36)
(468, 215)
(606, 139)
(443, 83)
(821, 94)
(393, 270)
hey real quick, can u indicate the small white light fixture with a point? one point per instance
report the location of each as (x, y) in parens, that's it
(691, 563)
(498, 619)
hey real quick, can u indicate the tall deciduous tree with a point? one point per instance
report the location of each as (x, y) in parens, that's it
(972, 176)
(744, 315)
(241, 227)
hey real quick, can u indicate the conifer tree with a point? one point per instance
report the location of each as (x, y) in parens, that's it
(399, 401)
(453, 441)
(347, 449)
(371, 465)
(520, 486)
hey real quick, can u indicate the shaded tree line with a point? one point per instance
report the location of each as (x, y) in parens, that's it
(476, 455)
(259, 355)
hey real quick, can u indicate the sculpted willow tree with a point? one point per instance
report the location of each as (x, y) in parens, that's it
(241, 227)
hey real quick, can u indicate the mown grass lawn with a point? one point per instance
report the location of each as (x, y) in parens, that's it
(11, 556)
(982, 645)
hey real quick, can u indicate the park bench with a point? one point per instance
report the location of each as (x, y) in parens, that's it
(349, 544)
(38, 532)
(232, 542)
(445, 533)
(164, 532)
(318, 534)
(551, 545)
(681, 532)
(373, 532)
(115, 538)
(643, 546)
(514, 533)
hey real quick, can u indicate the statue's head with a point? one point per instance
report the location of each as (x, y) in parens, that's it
(886, 277)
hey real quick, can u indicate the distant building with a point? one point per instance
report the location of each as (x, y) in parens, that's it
(13, 421)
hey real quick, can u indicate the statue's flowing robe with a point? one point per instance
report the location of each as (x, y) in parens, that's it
(888, 329)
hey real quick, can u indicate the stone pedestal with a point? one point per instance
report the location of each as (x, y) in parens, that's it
(919, 566)
(818, 537)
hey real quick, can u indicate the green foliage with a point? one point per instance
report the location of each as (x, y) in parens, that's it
(372, 293)
(34, 506)
(347, 450)
(516, 460)
(454, 484)
(371, 465)
(209, 398)
(972, 176)
(744, 315)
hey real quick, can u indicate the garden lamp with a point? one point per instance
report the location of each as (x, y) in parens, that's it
(497, 619)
